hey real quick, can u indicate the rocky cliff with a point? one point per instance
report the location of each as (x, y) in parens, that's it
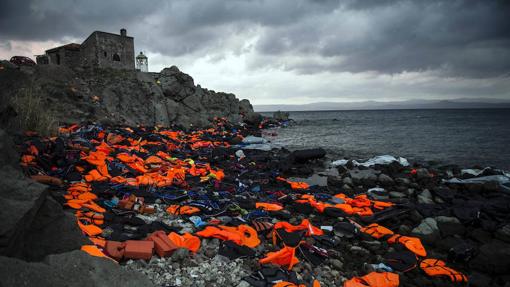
(116, 96)
(39, 241)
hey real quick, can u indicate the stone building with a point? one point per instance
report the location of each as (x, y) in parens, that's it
(99, 50)
(68, 55)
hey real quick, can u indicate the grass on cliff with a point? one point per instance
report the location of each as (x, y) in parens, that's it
(33, 114)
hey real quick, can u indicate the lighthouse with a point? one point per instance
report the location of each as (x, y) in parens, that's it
(142, 63)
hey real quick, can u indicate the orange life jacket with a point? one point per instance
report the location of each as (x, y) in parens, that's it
(93, 250)
(374, 279)
(153, 160)
(95, 175)
(315, 283)
(182, 209)
(88, 227)
(27, 160)
(381, 204)
(436, 267)
(411, 243)
(376, 231)
(81, 203)
(96, 217)
(294, 184)
(310, 199)
(283, 257)
(241, 235)
(79, 187)
(304, 225)
(268, 206)
(186, 240)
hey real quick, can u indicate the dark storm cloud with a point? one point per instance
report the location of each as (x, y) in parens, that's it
(463, 38)
(54, 20)
(190, 26)
(460, 38)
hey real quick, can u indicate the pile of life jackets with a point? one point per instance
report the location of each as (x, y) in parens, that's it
(432, 267)
(120, 151)
(290, 236)
(360, 205)
(110, 166)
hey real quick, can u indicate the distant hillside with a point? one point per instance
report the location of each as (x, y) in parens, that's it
(374, 105)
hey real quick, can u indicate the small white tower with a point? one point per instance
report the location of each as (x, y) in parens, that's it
(142, 63)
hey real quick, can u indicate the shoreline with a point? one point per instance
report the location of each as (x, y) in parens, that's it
(226, 187)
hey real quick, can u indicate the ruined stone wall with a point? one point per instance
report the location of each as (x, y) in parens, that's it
(71, 57)
(89, 52)
(53, 57)
(62, 56)
(115, 51)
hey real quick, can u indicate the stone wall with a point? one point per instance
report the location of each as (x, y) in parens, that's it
(106, 50)
(67, 57)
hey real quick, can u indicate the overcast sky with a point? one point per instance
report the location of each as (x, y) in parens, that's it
(293, 51)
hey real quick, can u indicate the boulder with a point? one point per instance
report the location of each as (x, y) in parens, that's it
(8, 156)
(493, 258)
(305, 155)
(403, 181)
(367, 177)
(32, 224)
(175, 84)
(422, 173)
(75, 268)
(385, 180)
(479, 280)
(245, 106)
(427, 231)
(449, 226)
(252, 118)
(336, 264)
(425, 197)
(503, 233)
(20, 200)
(395, 194)
(335, 181)
(52, 231)
(480, 235)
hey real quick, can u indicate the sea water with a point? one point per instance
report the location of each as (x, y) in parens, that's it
(467, 137)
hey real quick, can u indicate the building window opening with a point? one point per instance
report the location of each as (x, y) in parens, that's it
(116, 57)
(58, 59)
(105, 54)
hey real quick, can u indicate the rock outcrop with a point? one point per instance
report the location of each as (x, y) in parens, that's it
(74, 268)
(32, 223)
(40, 242)
(122, 97)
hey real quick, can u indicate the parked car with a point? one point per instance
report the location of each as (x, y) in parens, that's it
(22, 61)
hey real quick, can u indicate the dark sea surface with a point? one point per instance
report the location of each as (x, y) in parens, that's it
(464, 137)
